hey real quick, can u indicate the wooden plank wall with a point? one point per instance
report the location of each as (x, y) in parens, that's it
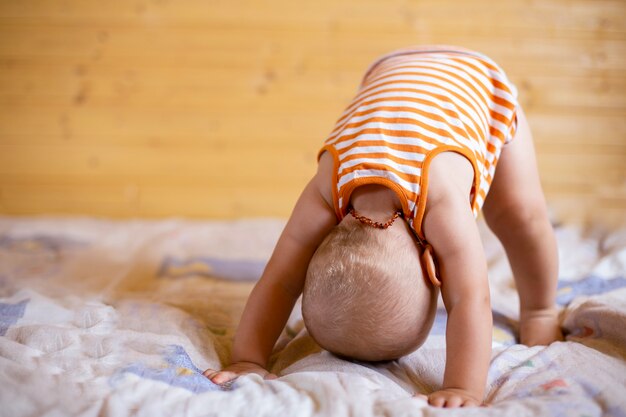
(216, 108)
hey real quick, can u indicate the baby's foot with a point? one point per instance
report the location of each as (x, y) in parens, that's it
(539, 327)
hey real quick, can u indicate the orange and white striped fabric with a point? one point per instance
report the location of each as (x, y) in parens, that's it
(413, 104)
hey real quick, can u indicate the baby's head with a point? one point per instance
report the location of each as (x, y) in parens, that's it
(365, 296)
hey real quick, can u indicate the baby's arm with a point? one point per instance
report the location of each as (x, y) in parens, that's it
(274, 296)
(451, 229)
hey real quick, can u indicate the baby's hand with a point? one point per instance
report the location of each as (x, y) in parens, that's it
(451, 398)
(235, 370)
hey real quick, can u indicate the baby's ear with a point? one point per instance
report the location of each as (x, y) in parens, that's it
(423, 267)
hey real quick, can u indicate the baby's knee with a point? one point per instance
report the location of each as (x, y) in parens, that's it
(527, 218)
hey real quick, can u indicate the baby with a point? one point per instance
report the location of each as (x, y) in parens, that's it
(388, 222)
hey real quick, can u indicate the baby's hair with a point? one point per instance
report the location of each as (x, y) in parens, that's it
(365, 296)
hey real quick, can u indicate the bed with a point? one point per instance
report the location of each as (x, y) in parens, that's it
(119, 318)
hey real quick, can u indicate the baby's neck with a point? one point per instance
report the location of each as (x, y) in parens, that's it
(377, 202)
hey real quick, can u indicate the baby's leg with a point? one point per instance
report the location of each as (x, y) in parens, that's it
(515, 209)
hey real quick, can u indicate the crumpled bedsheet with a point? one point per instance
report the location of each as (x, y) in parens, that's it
(119, 318)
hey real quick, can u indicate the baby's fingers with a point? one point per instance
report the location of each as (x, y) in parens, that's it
(454, 402)
(437, 400)
(470, 403)
(451, 399)
(219, 377)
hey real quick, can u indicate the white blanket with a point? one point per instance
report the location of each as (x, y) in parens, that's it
(119, 318)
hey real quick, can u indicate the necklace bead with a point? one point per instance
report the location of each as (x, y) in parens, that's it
(370, 222)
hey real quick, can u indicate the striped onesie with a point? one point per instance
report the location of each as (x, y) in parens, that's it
(413, 104)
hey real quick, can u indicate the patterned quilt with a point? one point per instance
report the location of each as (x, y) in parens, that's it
(119, 318)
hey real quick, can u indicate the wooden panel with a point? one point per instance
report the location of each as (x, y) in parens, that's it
(217, 109)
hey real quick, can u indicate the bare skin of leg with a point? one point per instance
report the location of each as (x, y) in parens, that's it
(515, 210)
